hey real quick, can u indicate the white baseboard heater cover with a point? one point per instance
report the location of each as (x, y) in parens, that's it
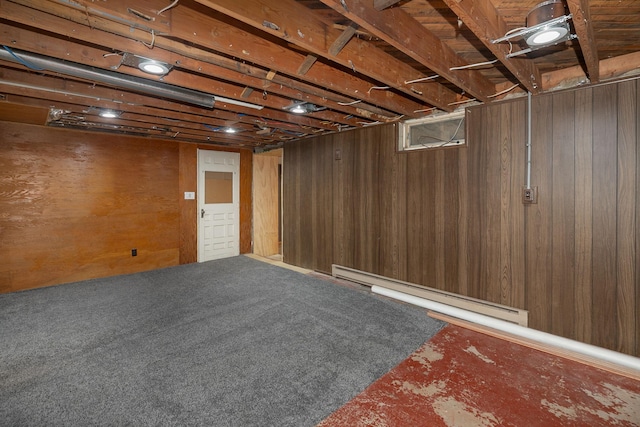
(498, 311)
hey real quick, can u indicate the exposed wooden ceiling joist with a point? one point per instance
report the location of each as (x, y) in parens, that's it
(354, 63)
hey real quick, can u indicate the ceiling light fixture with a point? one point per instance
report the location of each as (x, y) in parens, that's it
(109, 114)
(547, 25)
(550, 32)
(154, 67)
(148, 65)
(230, 130)
(298, 107)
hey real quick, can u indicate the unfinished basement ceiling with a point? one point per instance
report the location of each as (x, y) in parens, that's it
(351, 63)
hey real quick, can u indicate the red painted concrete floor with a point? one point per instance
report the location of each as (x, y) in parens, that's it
(465, 378)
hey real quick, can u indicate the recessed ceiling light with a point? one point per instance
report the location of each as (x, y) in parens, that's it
(298, 109)
(153, 67)
(546, 36)
(109, 114)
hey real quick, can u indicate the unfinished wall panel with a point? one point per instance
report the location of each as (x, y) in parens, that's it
(74, 207)
(75, 204)
(457, 218)
(266, 186)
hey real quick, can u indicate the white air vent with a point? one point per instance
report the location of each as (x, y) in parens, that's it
(445, 130)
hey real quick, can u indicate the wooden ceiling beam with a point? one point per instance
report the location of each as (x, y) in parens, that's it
(295, 23)
(484, 20)
(121, 98)
(403, 32)
(196, 35)
(383, 4)
(610, 68)
(69, 52)
(343, 39)
(584, 30)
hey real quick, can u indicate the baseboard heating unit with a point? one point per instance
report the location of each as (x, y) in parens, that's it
(498, 311)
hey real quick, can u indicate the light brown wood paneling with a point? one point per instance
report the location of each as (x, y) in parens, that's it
(74, 206)
(188, 181)
(266, 185)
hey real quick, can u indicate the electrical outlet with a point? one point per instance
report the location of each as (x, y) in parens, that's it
(530, 195)
(134, 252)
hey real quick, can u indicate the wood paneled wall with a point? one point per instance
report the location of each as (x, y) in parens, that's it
(453, 219)
(73, 205)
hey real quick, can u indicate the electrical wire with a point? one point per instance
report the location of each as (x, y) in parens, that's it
(423, 79)
(153, 40)
(462, 102)
(378, 88)
(350, 103)
(478, 64)
(503, 91)
(168, 7)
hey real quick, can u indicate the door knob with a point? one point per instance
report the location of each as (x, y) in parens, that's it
(201, 213)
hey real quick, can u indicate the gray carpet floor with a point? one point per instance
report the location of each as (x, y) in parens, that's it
(233, 342)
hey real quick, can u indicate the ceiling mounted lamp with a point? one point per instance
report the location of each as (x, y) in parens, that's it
(542, 17)
(547, 25)
(148, 65)
(298, 107)
(109, 114)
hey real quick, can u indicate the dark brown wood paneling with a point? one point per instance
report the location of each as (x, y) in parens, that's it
(584, 214)
(626, 213)
(74, 205)
(562, 214)
(538, 237)
(392, 208)
(604, 215)
(457, 217)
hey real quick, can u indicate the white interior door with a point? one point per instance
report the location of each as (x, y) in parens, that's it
(218, 205)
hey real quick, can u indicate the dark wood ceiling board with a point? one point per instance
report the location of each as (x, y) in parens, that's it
(293, 22)
(328, 77)
(63, 49)
(400, 30)
(124, 98)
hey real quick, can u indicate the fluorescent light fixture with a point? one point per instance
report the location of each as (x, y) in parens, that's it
(238, 103)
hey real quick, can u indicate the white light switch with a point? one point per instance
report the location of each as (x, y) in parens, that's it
(189, 195)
